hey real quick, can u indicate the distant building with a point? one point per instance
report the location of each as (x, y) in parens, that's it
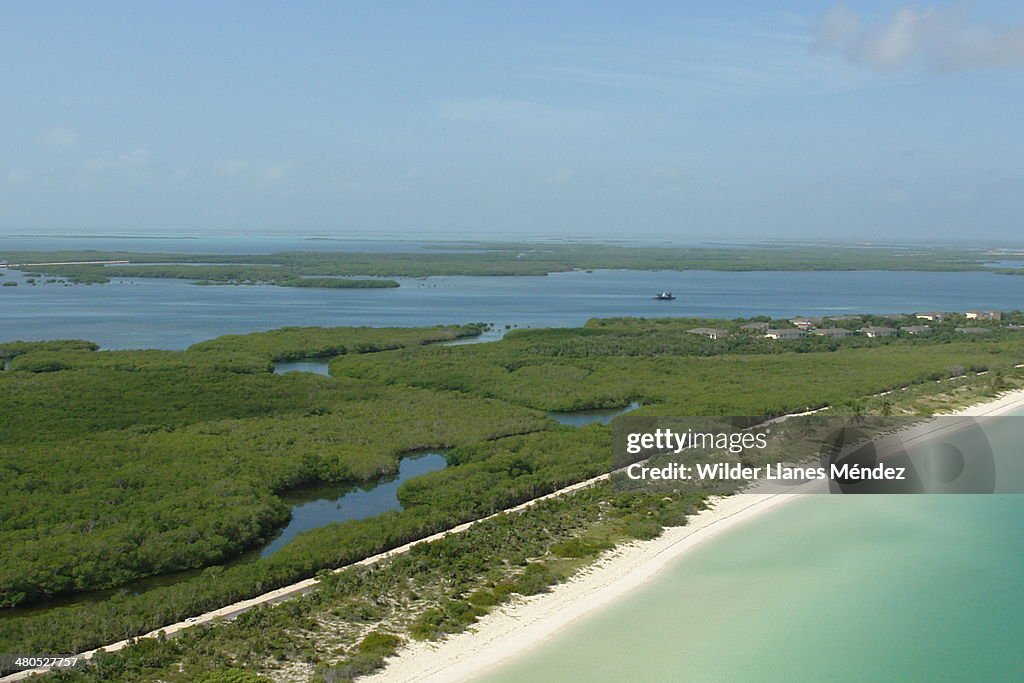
(845, 318)
(755, 327)
(973, 330)
(785, 334)
(710, 332)
(832, 332)
(872, 331)
(805, 323)
(983, 315)
(935, 316)
(917, 329)
(1011, 326)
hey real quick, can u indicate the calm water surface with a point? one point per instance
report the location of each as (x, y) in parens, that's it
(827, 588)
(321, 505)
(172, 314)
(917, 588)
(317, 367)
(582, 418)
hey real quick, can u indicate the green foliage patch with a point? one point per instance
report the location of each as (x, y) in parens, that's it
(122, 482)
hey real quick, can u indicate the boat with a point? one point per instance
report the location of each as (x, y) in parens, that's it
(665, 296)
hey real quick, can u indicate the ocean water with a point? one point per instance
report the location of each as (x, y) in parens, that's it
(172, 314)
(826, 588)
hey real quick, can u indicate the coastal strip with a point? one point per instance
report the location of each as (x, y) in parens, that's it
(514, 629)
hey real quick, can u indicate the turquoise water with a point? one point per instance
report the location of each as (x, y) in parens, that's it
(827, 588)
(842, 589)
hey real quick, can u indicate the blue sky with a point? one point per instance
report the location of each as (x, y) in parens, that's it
(682, 120)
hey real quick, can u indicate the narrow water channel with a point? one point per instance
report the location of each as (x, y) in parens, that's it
(321, 505)
(313, 365)
(317, 506)
(582, 418)
(319, 366)
(312, 507)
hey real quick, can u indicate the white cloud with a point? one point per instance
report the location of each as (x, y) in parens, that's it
(727, 61)
(519, 114)
(18, 175)
(136, 159)
(835, 26)
(560, 176)
(490, 110)
(58, 136)
(934, 38)
(231, 168)
(248, 170)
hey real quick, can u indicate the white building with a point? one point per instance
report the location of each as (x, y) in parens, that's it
(873, 332)
(983, 315)
(805, 323)
(710, 332)
(785, 334)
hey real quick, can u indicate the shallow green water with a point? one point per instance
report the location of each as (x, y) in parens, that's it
(828, 588)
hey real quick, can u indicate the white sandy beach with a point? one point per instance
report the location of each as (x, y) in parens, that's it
(515, 628)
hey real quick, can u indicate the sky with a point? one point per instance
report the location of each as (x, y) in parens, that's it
(666, 120)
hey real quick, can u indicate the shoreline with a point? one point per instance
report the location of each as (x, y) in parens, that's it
(514, 628)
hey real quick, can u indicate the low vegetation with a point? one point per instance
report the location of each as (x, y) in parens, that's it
(124, 464)
(497, 259)
(290, 343)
